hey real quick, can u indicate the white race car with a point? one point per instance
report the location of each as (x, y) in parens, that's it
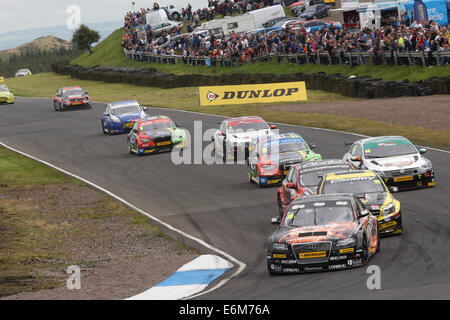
(236, 136)
(395, 159)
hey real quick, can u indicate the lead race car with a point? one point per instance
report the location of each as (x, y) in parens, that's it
(155, 134)
(303, 178)
(372, 191)
(236, 136)
(273, 156)
(119, 117)
(68, 98)
(395, 159)
(323, 232)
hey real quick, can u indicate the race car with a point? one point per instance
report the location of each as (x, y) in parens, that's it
(372, 191)
(302, 180)
(395, 159)
(119, 117)
(6, 96)
(70, 98)
(323, 232)
(155, 134)
(236, 136)
(272, 157)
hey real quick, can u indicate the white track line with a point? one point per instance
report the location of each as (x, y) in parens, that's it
(241, 265)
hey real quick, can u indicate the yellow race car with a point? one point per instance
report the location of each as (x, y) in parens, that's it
(6, 96)
(372, 192)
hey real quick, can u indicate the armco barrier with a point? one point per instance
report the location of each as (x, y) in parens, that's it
(359, 87)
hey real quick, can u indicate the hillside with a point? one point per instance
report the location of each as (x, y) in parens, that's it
(109, 52)
(46, 43)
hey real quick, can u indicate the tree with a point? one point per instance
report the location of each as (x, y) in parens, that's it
(83, 37)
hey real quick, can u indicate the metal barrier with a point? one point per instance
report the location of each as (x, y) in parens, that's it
(326, 58)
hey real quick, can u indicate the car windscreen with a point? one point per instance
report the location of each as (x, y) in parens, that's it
(156, 126)
(356, 185)
(312, 179)
(4, 89)
(70, 93)
(247, 126)
(310, 9)
(126, 109)
(282, 147)
(319, 213)
(383, 150)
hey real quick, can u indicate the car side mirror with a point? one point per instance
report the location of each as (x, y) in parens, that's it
(177, 124)
(422, 150)
(272, 126)
(290, 185)
(364, 213)
(144, 108)
(355, 159)
(134, 130)
(221, 133)
(106, 114)
(312, 146)
(275, 220)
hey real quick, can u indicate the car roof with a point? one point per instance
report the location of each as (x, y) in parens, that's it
(154, 119)
(349, 175)
(384, 139)
(244, 119)
(122, 103)
(317, 165)
(324, 197)
(71, 88)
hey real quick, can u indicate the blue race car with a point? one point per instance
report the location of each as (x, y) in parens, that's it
(119, 117)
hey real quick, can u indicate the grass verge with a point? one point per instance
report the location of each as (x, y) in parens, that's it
(49, 221)
(45, 85)
(109, 52)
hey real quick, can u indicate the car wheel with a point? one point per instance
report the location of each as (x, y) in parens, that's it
(55, 105)
(249, 176)
(365, 253)
(378, 240)
(103, 128)
(129, 148)
(280, 207)
(175, 15)
(224, 152)
(257, 179)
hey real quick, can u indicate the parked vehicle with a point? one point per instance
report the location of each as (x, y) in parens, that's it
(263, 15)
(168, 26)
(173, 12)
(23, 72)
(315, 12)
(274, 21)
(237, 24)
(157, 17)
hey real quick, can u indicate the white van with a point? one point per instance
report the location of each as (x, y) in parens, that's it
(237, 24)
(154, 18)
(263, 15)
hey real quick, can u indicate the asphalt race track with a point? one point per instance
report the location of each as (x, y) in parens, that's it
(217, 204)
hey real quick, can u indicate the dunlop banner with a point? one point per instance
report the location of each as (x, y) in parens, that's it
(252, 93)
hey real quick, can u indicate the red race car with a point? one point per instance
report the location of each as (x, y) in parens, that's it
(303, 179)
(71, 98)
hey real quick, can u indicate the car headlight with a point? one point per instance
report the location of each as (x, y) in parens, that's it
(346, 242)
(390, 208)
(269, 167)
(115, 119)
(426, 166)
(279, 246)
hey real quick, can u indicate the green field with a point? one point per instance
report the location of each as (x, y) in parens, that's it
(109, 52)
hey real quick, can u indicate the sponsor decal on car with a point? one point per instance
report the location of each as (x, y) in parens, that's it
(315, 254)
(346, 250)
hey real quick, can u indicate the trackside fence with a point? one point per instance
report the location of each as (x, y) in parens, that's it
(424, 59)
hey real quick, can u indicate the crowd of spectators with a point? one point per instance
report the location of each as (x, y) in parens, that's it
(427, 37)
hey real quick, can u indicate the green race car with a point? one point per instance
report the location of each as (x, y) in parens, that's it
(272, 157)
(155, 134)
(6, 96)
